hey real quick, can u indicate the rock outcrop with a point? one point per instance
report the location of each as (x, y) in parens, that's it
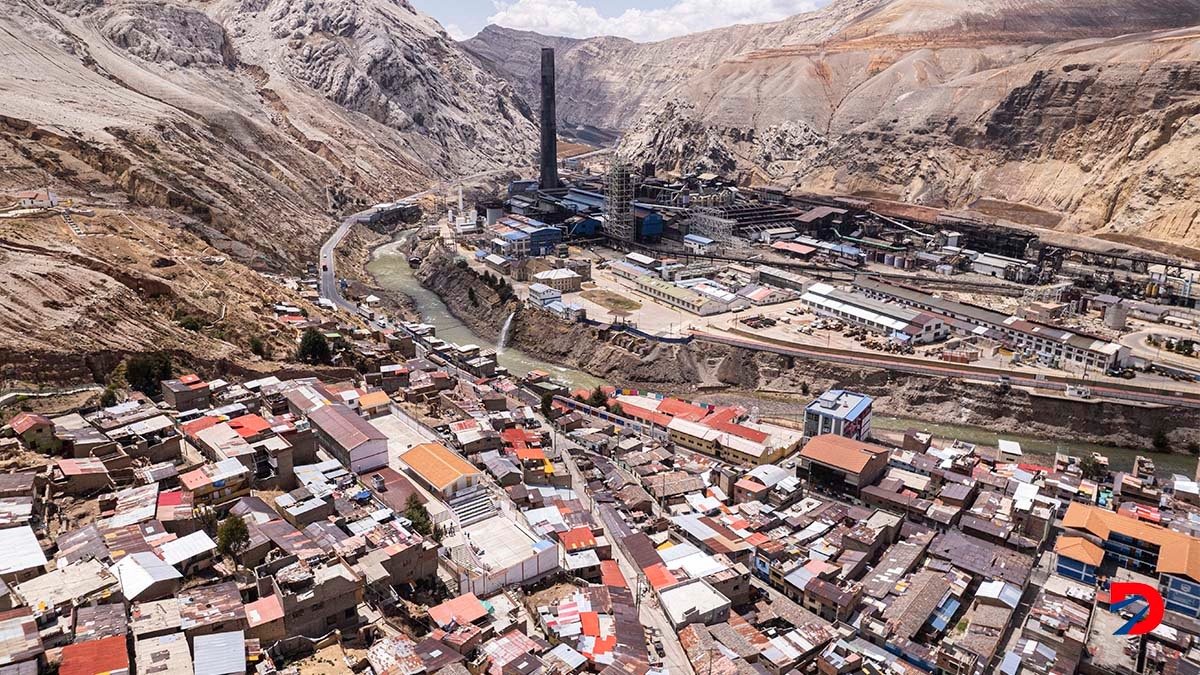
(1082, 113)
(258, 120)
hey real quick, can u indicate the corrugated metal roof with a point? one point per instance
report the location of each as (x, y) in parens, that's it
(220, 653)
(191, 546)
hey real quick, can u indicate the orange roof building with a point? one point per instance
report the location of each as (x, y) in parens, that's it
(1142, 547)
(1079, 550)
(95, 657)
(837, 458)
(577, 539)
(463, 610)
(610, 574)
(440, 469)
(374, 400)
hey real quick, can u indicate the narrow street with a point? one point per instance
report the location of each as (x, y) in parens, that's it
(651, 614)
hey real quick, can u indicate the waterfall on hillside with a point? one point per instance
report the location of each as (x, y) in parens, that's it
(504, 333)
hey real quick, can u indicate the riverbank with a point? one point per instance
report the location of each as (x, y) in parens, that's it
(754, 378)
(389, 270)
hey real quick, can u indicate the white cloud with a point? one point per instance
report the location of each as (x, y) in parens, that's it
(456, 32)
(571, 19)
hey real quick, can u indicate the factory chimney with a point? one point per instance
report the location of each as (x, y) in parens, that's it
(549, 154)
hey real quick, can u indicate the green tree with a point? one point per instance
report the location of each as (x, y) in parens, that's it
(1160, 441)
(258, 347)
(314, 348)
(472, 297)
(192, 323)
(547, 403)
(1193, 447)
(108, 397)
(1091, 468)
(232, 538)
(416, 513)
(597, 399)
(144, 372)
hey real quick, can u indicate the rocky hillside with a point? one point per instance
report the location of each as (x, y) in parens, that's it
(1078, 113)
(257, 119)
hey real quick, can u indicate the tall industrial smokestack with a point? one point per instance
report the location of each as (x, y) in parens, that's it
(549, 158)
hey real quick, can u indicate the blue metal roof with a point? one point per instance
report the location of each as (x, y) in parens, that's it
(697, 239)
(945, 612)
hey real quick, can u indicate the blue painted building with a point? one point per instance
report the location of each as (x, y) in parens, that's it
(528, 236)
(1147, 548)
(649, 226)
(840, 412)
(542, 239)
(580, 226)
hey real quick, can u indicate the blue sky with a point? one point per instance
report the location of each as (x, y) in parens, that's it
(644, 20)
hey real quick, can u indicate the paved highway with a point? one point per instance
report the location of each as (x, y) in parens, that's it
(947, 369)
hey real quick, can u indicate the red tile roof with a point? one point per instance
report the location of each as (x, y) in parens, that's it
(519, 435)
(682, 409)
(461, 610)
(197, 425)
(249, 426)
(264, 610)
(525, 452)
(739, 430)
(610, 574)
(577, 539)
(659, 576)
(95, 657)
(172, 498)
(591, 623)
(637, 412)
(25, 421)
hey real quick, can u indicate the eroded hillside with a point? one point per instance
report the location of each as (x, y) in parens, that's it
(258, 119)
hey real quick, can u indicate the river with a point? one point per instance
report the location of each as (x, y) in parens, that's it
(1120, 459)
(390, 269)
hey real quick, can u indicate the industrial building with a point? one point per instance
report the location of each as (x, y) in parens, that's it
(677, 296)
(1050, 344)
(895, 321)
(746, 221)
(699, 245)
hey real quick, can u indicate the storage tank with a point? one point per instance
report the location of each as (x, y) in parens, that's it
(1115, 316)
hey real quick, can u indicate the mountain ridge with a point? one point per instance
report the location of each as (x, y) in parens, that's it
(1088, 127)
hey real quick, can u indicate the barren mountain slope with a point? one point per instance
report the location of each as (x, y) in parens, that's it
(1084, 109)
(259, 117)
(245, 125)
(608, 81)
